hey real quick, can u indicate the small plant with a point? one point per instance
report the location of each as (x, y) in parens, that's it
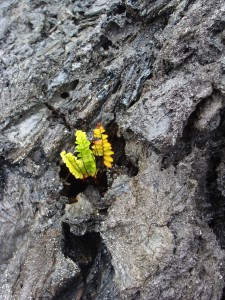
(83, 163)
(102, 147)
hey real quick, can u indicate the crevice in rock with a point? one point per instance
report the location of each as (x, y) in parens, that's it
(211, 142)
(2, 178)
(223, 295)
(216, 210)
(71, 186)
(117, 9)
(104, 43)
(120, 9)
(99, 282)
(116, 87)
(88, 250)
(120, 157)
(215, 183)
(191, 136)
(163, 15)
(94, 260)
(72, 290)
(122, 163)
(64, 95)
(142, 81)
(81, 249)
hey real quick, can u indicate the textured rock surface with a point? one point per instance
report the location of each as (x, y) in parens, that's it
(153, 73)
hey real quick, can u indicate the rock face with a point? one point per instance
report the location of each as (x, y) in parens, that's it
(153, 73)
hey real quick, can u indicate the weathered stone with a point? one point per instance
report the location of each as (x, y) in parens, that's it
(149, 231)
(153, 73)
(45, 269)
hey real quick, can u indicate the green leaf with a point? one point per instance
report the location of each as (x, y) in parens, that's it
(72, 164)
(85, 154)
(83, 164)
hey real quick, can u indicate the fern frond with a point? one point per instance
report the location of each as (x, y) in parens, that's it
(101, 146)
(73, 164)
(83, 164)
(85, 154)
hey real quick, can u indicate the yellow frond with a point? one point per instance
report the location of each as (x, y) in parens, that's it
(101, 146)
(107, 164)
(72, 164)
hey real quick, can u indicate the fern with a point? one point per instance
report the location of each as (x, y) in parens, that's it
(73, 164)
(85, 154)
(83, 165)
(101, 146)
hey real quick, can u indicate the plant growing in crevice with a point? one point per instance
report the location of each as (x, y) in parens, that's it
(83, 164)
(102, 147)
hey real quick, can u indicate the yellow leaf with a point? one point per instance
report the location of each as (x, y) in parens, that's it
(72, 164)
(107, 164)
(101, 146)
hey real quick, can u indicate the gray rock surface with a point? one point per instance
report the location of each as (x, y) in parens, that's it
(153, 73)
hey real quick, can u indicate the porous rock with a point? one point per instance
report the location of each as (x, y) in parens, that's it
(153, 73)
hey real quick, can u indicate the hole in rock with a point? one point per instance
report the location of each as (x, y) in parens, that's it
(71, 186)
(63, 92)
(106, 45)
(113, 28)
(81, 249)
(67, 87)
(167, 66)
(121, 164)
(99, 282)
(72, 289)
(116, 87)
(185, 49)
(136, 296)
(216, 199)
(96, 278)
(65, 95)
(120, 157)
(190, 136)
(120, 9)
